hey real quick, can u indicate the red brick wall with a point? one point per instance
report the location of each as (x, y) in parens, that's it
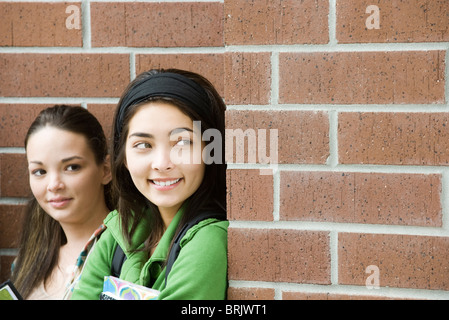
(359, 196)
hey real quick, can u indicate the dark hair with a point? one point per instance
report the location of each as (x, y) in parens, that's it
(43, 236)
(211, 194)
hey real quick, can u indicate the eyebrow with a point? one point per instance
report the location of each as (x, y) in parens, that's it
(178, 130)
(141, 135)
(71, 158)
(63, 160)
(150, 136)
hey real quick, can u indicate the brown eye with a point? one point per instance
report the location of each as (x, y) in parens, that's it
(142, 145)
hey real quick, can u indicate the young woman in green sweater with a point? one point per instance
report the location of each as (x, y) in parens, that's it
(165, 175)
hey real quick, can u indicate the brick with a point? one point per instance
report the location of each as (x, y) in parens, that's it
(394, 138)
(303, 136)
(40, 25)
(287, 295)
(241, 78)
(373, 198)
(250, 293)
(157, 24)
(11, 219)
(247, 77)
(250, 22)
(362, 77)
(105, 115)
(279, 255)
(15, 121)
(61, 75)
(209, 65)
(399, 21)
(250, 195)
(404, 261)
(14, 175)
(17, 118)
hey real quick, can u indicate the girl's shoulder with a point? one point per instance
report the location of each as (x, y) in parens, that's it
(114, 227)
(212, 229)
(112, 223)
(112, 219)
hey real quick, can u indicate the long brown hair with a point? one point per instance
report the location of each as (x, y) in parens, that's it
(42, 236)
(211, 194)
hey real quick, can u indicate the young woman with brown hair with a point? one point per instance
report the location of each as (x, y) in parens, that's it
(69, 173)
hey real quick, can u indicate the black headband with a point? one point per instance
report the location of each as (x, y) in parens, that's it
(170, 85)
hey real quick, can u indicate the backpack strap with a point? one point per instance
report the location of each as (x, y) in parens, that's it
(117, 261)
(176, 248)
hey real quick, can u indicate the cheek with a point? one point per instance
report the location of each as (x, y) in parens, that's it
(91, 181)
(37, 188)
(196, 175)
(137, 167)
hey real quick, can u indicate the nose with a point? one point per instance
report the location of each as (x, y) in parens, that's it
(161, 160)
(55, 183)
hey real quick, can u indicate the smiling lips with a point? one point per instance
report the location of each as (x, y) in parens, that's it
(59, 202)
(165, 184)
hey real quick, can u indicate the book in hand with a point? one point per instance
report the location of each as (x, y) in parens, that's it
(9, 292)
(118, 289)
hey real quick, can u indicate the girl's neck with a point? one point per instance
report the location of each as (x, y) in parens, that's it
(167, 215)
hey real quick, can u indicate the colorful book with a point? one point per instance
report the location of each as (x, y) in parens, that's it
(118, 289)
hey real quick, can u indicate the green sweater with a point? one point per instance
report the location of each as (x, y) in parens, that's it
(199, 272)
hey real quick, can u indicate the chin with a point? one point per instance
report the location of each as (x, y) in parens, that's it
(167, 204)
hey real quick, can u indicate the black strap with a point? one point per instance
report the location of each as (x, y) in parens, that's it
(120, 257)
(176, 248)
(117, 261)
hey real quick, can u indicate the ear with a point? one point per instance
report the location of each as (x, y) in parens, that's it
(107, 172)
